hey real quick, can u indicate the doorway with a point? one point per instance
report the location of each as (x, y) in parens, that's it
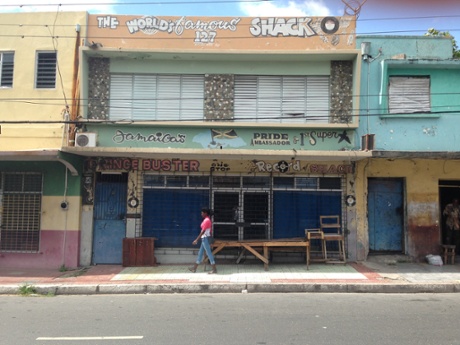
(385, 214)
(241, 215)
(109, 218)
(448, 190)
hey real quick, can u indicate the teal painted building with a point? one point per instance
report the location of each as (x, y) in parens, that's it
(409, 110)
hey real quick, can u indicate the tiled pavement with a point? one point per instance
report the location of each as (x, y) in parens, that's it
(369, 276)
(247, 273)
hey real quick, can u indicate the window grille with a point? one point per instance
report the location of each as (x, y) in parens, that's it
(20, 210)
(409, 95)
(156, 97)
(283, 99)
(245, 207)
(6, 69)
(46, 70)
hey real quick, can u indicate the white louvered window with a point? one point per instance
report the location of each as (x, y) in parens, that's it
(156, 97)
(283, 99)
(408, 95)
(6, 69)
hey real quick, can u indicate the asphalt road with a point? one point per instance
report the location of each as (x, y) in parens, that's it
(258, 319)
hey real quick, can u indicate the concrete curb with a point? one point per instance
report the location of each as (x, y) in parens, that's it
(106, 289)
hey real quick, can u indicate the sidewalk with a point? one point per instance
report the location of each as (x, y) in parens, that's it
(378, 275)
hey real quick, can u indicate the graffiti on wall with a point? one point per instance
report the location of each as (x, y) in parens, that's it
(130, 164)
(229, 138)
(158, 137)
(312, 137)
(292, 27)
(192, 165)
(219, 139)
(261, 166)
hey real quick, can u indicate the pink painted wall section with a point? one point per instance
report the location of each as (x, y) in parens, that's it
(54, 245)
(221, 33)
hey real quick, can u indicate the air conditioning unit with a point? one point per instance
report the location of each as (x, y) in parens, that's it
(85, 139)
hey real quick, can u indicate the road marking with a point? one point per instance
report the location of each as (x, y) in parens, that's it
(92, 338)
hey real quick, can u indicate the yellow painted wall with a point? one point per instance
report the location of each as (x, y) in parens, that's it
(25, 34)
(422, 209)
(54, 218)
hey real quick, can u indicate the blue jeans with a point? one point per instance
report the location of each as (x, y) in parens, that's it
(205, 247)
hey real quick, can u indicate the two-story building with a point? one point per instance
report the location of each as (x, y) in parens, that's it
(39, 185)
(409, 110)
(255, 118)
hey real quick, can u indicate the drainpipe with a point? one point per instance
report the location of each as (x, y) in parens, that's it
(75, 89)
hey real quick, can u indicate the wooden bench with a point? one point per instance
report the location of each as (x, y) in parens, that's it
(255, 246)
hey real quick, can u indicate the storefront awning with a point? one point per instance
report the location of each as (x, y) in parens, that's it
(69, 160)
(230, 154)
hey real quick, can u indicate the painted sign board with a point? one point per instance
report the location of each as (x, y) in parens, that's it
(259, 166)
(224, 138)
(222, 33)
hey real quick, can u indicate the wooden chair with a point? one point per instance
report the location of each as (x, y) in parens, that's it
(317, 235)
(448, 251)
(332, 229)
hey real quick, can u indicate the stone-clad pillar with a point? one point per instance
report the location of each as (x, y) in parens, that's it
(98, 88)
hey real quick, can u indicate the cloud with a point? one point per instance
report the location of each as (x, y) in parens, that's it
(102, 6)
(285, 9)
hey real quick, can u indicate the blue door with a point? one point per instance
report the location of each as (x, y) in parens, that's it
(385, 214)
(109, 220)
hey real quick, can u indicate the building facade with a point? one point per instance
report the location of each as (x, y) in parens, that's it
(126, 126)
(409, 109)
(39, 185)
(253, 117)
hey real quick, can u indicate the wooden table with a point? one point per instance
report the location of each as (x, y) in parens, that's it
(266, 245)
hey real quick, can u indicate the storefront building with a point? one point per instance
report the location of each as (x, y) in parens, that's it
(410, 108)
(252, 117)
(39, 184)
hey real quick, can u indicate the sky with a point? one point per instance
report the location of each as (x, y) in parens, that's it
(392, 17)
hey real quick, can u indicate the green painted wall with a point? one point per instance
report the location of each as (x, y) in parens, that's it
(222, 67)
(53, 173)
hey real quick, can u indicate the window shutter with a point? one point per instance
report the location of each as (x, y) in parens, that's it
(156, 97)
(46, 70)
(245, 104)
(144, 97)
(168, 103)
(192, 104)
(6, 72)
(318, 99)
(409, 95)
(121, 97)
(269, 99)
(294, 99)
(286, 99)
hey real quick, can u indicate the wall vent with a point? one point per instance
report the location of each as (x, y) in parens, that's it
(367, 142)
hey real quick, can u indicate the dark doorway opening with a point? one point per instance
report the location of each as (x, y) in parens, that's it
(448, 190)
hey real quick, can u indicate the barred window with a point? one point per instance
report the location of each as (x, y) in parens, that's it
(20, 209)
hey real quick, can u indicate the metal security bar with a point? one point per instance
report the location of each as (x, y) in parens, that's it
(20, 209)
